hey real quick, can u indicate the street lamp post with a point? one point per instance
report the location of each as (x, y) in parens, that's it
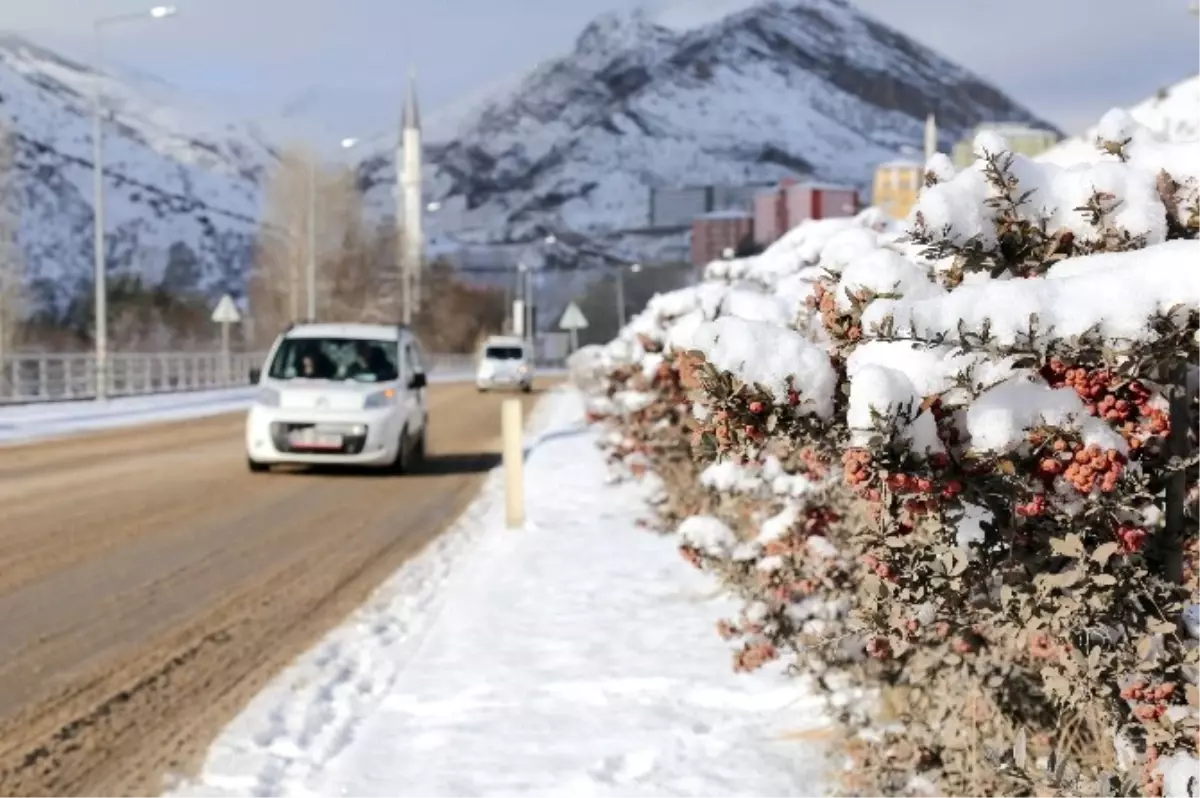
(549, 241)
(100, 277)
(347, 144)
(621, 317)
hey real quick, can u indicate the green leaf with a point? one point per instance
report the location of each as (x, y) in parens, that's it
(1070, 546)
(1103, 553)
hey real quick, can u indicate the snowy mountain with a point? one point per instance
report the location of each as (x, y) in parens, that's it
(181, 193)
(1173, 112)
(807, 86)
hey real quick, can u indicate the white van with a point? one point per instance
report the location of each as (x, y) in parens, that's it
(340, 394)
(505, 362)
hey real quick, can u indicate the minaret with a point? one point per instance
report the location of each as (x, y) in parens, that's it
(408, 160)
(931, 142)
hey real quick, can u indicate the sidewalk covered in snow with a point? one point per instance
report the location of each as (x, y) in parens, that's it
(575, 657)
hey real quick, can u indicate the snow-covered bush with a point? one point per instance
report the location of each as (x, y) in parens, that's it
(954, 470)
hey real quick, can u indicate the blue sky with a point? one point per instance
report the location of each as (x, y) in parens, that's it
(1069, 60)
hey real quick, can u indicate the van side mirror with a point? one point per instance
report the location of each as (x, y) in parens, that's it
(255, 374)
(418, 381)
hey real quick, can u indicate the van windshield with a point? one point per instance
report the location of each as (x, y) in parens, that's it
(335, 359)
(504, 353)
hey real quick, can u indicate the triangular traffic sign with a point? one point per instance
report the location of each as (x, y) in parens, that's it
(573, 319)
(226, 311)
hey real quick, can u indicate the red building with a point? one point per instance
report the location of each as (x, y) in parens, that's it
(771, 213)
(715, 232)
(814, 201)
(779, 210)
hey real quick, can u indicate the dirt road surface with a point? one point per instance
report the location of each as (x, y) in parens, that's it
(150, 585)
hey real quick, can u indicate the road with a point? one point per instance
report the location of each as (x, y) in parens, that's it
(150, 585)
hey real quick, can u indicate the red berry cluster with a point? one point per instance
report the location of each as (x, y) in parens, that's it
(1152, 701)
(879, 648)
(1125, 405)
(856, 467)
(923, 487)
(814, 464)
(1043, 646)
(947, 431)
(1132, 538)
(664, 375)
(1152, 778)
(1191, 564)
(1032, 508)
(754, 655)
(730, 431)
(836, 323)
(692, 556)
(727, 630)
(823, 300)
(881, 569)
(1085, 467)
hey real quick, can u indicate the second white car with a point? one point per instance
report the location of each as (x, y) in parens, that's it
(505, 362)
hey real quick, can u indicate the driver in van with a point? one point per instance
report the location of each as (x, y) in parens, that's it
(313, 364)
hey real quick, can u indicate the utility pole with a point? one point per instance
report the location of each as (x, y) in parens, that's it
(409, 206)
(620, 297)
(312, 239)
(621, 316)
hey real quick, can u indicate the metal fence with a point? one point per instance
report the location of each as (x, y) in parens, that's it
(26, 379)
(50, 378)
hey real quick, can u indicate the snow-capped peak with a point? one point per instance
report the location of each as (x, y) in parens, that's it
(676, 95)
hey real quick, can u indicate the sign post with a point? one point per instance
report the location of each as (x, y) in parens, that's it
(518, 318)
(226, 313)
(511, 422)
(573, 321)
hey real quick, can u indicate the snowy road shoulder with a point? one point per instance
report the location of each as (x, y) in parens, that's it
(577, 656)
(54, 419)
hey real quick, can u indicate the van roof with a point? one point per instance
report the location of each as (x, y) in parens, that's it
(365, 332)
(504, 340)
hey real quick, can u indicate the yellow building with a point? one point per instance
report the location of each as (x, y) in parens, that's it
(1022, 139)
(897, 184)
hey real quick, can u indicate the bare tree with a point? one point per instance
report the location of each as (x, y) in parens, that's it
(12, 264)
(277, 279)
(355, 277)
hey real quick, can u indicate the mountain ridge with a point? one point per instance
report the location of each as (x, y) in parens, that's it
(637, 104)
(181, 193)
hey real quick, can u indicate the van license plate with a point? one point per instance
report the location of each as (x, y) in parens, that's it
(308, 439)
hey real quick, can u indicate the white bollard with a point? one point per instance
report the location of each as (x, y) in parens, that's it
(511, 423)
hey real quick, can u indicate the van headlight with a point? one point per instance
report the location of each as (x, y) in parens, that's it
(522, 369)
(268, 397)
(385, 398)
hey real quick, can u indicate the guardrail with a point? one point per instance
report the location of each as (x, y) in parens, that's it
(52, 378)
(26, 379)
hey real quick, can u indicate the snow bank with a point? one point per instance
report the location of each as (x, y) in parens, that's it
(1113, 294)
(769, 355)
(948, 351)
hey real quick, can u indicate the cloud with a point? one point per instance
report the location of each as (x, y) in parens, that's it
(1068, 60)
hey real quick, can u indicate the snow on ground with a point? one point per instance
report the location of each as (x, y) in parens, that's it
(54, 419)
(575, 657)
